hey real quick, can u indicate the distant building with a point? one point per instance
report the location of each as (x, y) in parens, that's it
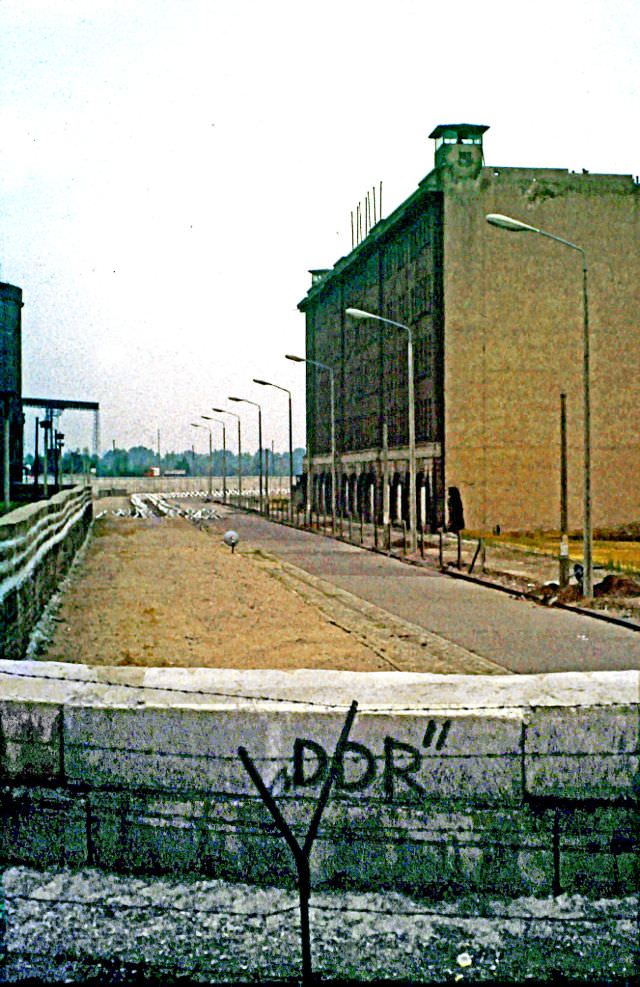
(497, 320)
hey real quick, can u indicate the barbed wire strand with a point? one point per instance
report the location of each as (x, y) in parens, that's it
(453, 707)
(351, 835)
(104, 904)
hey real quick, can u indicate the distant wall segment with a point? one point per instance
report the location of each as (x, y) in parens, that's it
(500, 785)
(37, 545)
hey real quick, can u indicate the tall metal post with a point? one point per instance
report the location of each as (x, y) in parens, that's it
(224, 463)
(333, 452)
(516, 226)
(290, 461)
(564, 517)
(357, 313)
(413, 514)
(588, 530)
(260, 501)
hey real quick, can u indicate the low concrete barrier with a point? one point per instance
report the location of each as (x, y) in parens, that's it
(504, 785)
(37, 545)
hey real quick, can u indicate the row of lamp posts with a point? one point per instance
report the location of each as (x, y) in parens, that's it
(225, 411)
(505, 223)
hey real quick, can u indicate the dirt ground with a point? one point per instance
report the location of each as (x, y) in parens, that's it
(161, 592)
(167, 592)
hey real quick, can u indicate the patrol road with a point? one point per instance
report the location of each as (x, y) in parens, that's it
(522, 636)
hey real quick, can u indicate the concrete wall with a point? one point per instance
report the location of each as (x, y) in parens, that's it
(37, 545)
(514, 341)
(121, 485)
(514, 785)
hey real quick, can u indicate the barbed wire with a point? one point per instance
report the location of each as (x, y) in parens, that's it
(475, 916)
(425, 753)
(103, 903)
(423, 708)
(351, 834)
(110, 905)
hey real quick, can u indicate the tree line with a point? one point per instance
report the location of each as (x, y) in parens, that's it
(139, 460)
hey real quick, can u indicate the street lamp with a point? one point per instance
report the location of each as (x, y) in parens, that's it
(357, 313)
(224, 454)
(267, 383)
(323, 366)
(223, 411)
(516, 226)
(198, 425)
(256, 405)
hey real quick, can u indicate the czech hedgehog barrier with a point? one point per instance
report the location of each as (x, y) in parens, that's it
(499, 785)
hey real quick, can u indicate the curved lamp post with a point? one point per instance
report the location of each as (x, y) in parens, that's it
(224, 453)
(267, 383)
(198, 425)
(516, 226)
(323, 366)
(357, 313)
(223, 411)
(256, 405)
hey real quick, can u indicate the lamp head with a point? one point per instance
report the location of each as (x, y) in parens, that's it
(296, 359)
(358, 313)
(235, 399)
(507, 223)
(221, 411)
(266, 383)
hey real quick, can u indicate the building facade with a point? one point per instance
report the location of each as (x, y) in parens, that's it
(497, 324)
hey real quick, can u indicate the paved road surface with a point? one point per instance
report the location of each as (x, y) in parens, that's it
(522, 636)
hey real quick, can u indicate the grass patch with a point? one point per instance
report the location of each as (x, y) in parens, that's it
(621, 556)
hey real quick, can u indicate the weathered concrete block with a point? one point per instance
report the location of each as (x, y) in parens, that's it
(167, 749)
(190, 750)
(416, 757)
(600, 851)
(43, 827)
(30, 741)
(582, 753)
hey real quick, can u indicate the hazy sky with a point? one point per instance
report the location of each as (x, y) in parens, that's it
(170, 169)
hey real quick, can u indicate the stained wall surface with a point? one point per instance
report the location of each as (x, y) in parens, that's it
(514, 341)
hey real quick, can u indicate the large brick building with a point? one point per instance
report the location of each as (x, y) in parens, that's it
(497, 320)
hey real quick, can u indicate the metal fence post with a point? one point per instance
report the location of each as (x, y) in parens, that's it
(302, 854)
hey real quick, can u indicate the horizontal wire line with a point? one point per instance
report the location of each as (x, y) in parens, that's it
(425, 754)
(349, 756)
(309, 702)
(474, 916)
(148, 906)
(342, 909)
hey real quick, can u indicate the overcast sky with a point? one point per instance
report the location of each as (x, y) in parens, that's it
(171, 169)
